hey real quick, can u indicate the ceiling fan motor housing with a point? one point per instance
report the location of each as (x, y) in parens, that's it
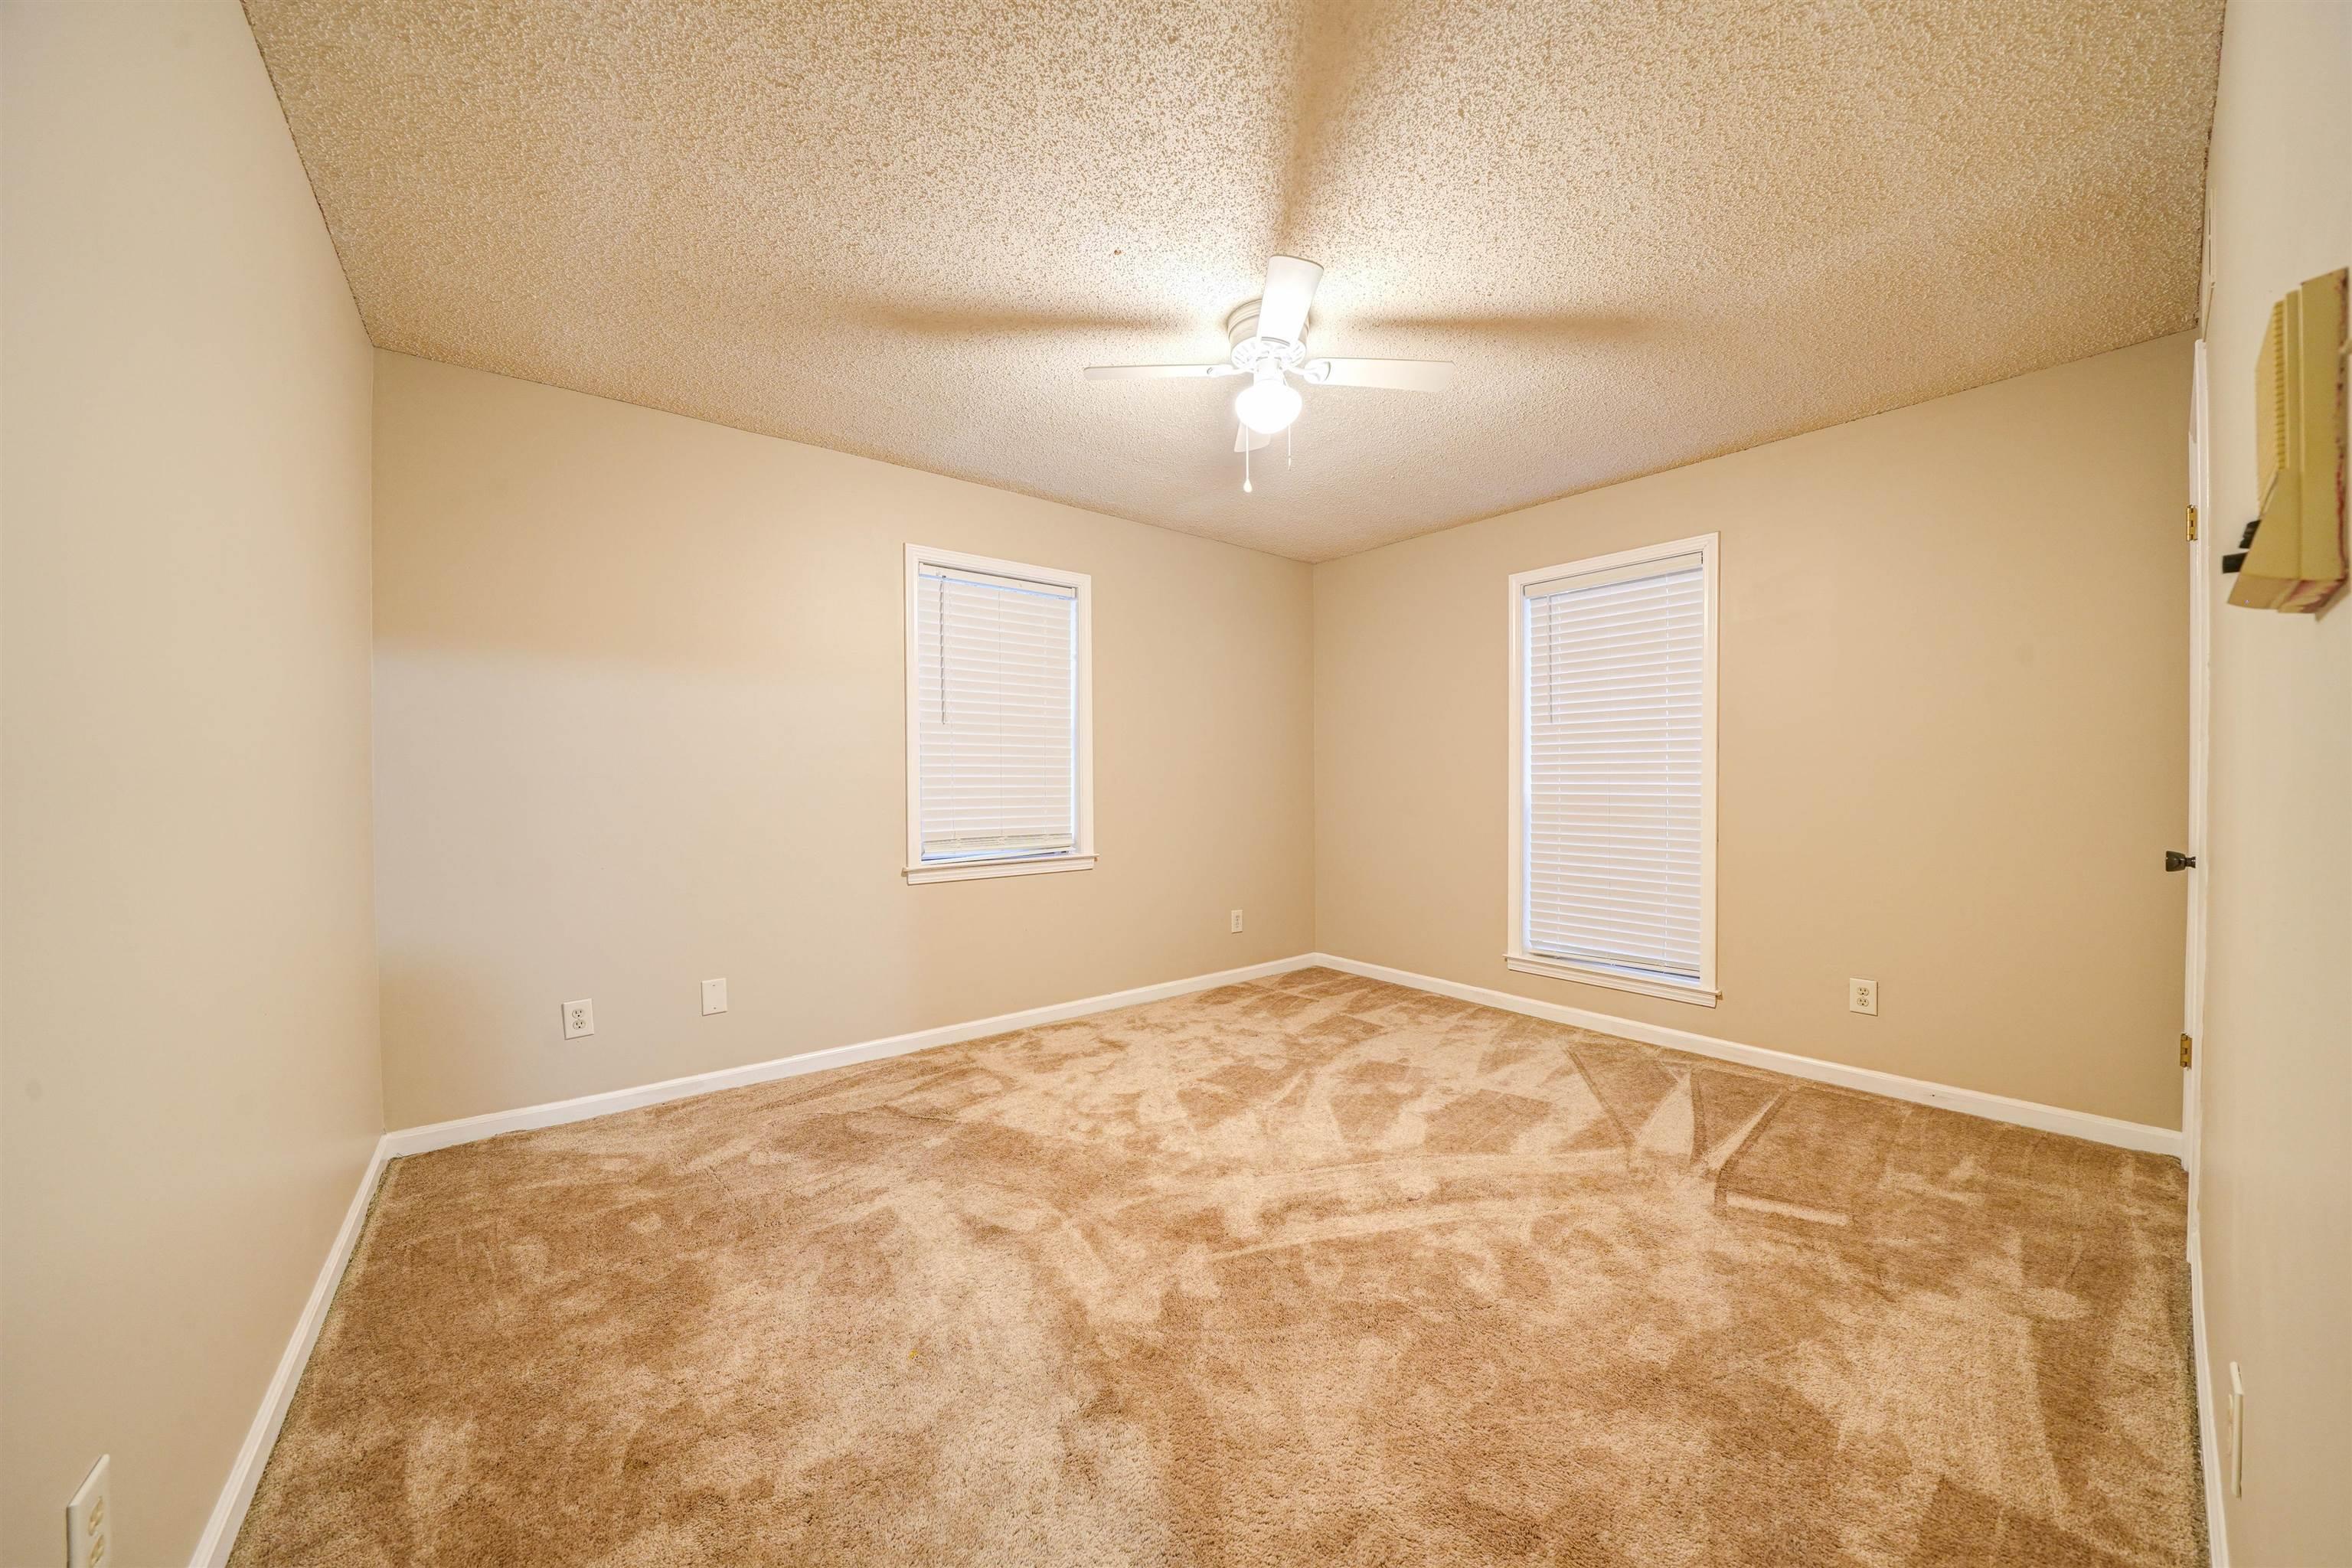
(1251, 350)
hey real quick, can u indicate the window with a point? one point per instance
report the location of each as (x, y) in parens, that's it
(1612, 771)
(999, 761)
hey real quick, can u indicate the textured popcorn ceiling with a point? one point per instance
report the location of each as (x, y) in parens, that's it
(1649, 233)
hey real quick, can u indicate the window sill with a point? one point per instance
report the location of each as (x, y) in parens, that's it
(972, 870)
(1615, 980)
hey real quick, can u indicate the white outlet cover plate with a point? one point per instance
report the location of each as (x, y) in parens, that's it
(714, 998)
(2234, 1459)
(579, 1018)
(1862, 997)
(88, 1529)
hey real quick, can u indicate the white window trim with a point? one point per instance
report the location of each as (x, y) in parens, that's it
(1081, 855)
(1516, 956)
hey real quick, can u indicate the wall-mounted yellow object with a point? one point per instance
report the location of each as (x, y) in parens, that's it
(2296, 559)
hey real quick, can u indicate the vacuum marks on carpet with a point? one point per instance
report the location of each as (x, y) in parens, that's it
(1311, 1270)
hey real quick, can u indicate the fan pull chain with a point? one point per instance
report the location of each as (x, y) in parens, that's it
(1286, 446)
(1245, 474)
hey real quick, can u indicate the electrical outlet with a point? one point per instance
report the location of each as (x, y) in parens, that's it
(579, 1018)
(1862, 997)
(89, 1522)
(1237, 920)
(714, 998)
(2235, 1456)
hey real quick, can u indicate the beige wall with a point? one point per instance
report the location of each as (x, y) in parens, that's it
(190, 1087)
(640, 721)
(637, 712)
(1953, 736)
(2274, 1183)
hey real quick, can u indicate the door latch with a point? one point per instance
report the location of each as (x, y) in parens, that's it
(2174, 860)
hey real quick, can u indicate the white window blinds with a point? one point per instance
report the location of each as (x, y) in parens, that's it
(995, 725)
(1613, 815)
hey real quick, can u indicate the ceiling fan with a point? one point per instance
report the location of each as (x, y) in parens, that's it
(1269, 346)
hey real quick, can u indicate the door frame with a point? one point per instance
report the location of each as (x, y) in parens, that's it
(2200, 688)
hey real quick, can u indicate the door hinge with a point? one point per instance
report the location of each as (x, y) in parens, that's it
(2186, 1050)
(2192, 525)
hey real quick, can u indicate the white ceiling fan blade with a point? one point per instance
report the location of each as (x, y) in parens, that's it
(1398, 375)
(1248, 440)
(1289, 289)
(1155, 372)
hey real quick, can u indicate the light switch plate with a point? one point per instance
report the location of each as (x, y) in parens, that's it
(579, 1018)
(714, 998)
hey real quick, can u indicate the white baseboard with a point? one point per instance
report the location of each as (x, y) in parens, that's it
(467, 1129)
(229, 1513)
(1993, 1107)
(2208, 1426)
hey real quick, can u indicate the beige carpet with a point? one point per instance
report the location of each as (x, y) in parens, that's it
(1311, 1271)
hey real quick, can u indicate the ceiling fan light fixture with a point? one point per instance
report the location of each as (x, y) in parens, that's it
(1267, 405)
(1268, 339)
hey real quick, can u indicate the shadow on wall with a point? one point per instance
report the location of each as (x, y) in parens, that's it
(640, 722)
